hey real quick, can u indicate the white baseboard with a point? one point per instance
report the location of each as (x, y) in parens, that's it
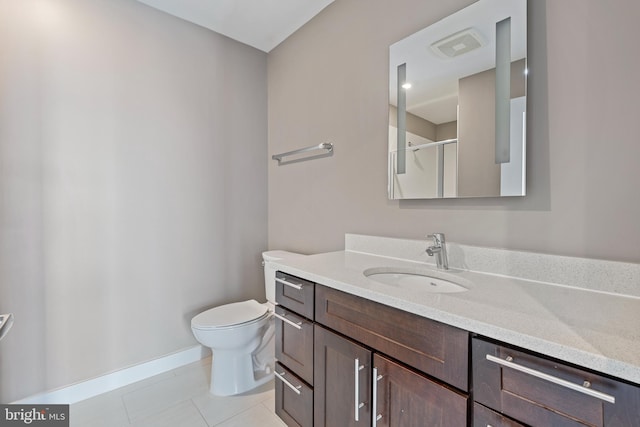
(105, 383)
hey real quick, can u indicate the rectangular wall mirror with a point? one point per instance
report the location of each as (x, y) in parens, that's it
(457, 113)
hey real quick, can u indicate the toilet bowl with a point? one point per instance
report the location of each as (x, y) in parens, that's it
(241, 337)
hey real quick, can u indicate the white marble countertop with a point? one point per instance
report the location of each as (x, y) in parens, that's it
(597, 330)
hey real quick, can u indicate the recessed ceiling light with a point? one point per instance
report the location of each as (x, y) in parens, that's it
(406, 86)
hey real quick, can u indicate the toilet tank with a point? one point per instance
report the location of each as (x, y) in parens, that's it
(270, 271)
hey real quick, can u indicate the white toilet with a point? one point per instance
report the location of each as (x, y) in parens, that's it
(241, 337)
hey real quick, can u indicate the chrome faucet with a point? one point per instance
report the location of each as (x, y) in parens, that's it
(439, 249)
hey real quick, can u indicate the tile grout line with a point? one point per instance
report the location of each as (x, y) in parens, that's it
(126, 411)
(199, 411)
(236, 415)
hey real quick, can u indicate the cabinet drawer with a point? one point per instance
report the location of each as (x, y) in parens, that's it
(543, 392)
(405, 398)
(483, 417)
(294, 399)
(294, 343)
(295, 294)
(436, 349)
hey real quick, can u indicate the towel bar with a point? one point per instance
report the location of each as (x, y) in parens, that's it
(328, 146)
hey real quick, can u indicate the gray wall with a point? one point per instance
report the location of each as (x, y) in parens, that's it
(132, 185)
(329, 81)
(446, 131)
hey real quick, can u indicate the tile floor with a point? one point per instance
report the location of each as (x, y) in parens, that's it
(178, 398)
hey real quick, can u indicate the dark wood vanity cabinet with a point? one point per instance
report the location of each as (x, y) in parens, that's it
(334, 359)
(353, 384)
(344, 360)
(434, 348)
(538, 391)
(294, 349)
(397, 355)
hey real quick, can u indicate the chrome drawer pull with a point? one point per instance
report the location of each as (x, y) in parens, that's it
(291, 285)
(287, 321)
(374, 405)
(550, 378)
(357, 404)
(287, 383)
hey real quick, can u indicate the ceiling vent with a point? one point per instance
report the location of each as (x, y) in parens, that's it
(458, 44)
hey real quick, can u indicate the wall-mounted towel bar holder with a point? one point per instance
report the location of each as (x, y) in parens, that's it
(326, 146)
(6, 321)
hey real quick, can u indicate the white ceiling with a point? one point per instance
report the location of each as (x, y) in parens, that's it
(263, 24)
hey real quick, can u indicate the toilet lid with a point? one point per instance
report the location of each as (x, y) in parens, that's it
(229, 314)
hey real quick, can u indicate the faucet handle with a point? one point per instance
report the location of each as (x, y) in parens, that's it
(437, 237)
(438, 249)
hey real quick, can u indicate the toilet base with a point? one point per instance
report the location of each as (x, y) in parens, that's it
(234, 374)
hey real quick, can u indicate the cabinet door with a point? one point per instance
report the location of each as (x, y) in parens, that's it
(404, 398)
(342, 381)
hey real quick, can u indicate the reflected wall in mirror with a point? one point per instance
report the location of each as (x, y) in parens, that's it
(457, 113)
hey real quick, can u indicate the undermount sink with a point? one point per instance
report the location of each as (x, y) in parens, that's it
(419, 280)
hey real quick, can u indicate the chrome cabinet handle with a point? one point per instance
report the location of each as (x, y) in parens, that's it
(287, 321)
(280, 376)
(291, 285)
(550, 378)
(374, 405)
(356, 400)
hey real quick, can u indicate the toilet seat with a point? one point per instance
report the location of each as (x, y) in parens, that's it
(230, 315)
